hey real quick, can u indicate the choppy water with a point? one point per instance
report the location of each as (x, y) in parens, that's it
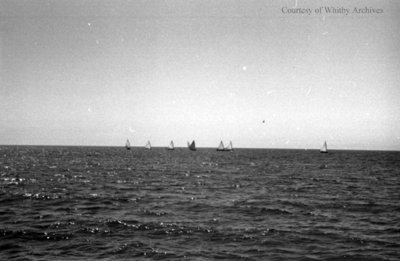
(94, 203)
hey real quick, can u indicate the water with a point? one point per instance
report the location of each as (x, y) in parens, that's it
(106, 203)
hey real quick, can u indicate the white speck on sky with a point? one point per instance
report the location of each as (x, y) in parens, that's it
(309, 90)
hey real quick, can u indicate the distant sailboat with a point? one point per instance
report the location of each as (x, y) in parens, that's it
(148, 145)
(230, 147)
(192, 146)
(221, 146)
(128, 145)
(171, 146)
(324, 148)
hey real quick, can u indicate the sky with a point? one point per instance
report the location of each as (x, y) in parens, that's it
(100, 72)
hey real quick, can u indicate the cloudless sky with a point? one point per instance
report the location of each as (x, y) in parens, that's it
(98, 72)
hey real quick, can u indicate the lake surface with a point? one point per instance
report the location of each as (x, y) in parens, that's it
(107, 203)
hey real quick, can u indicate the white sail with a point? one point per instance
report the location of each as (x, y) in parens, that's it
(324, 148)
(148, 145)
(128, 145)
(171, 145)
(221, 146)
(229, 147)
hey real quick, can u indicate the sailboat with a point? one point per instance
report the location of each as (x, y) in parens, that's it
(171, 146)
(229, 147)
(128, 145)
(221, 146)
(324, 148)
(148, 145)
(192, 146)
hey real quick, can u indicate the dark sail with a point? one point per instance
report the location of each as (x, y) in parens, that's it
(192, 146)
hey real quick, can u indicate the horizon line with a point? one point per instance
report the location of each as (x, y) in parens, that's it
(197, 147)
